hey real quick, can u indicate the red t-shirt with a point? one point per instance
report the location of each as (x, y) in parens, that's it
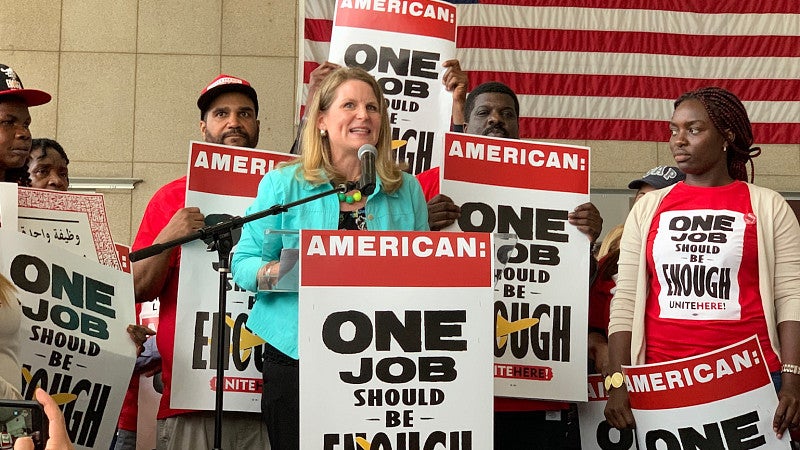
(128, 415)
(702, 266)
(600, 294)
(164, 204)
(130, 405)
(429, 180)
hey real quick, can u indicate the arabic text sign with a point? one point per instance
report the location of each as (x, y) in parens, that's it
(75, 221)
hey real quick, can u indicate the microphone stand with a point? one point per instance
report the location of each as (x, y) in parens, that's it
(221, 234)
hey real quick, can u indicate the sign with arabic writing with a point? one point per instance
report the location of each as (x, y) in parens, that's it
(76, 222)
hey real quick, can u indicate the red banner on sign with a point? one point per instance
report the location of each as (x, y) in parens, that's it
(395, 258)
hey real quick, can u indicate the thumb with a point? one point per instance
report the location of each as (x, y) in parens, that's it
(57, 429)
(23, 443)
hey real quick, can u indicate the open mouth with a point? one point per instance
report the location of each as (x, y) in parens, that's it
(360, 130)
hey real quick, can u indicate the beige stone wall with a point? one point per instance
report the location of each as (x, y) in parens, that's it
(125, 76)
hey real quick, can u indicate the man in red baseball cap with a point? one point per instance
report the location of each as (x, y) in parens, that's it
(228, 115)
(15, 120)
(228, 109)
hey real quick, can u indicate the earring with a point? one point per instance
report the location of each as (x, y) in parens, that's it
(725, 148)
(323, 133)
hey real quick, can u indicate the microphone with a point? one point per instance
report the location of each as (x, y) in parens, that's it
(367, 154)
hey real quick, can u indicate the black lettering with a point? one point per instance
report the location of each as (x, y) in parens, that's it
(653, 437)
(548, 221)
(741, 432)
(408, 370)
(603, 436)
(423, 64)
(72, 286)
(98, 297)
(332, 336)
(19, 266)
(369, 57)
(437, 369)
(399, 61)
(540, 346)
(486, 214)
(444, 324)
(364, 375)
(200, 340)
(692, 438)
(407, 334)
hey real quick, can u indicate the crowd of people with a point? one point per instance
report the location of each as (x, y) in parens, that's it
(711, 143)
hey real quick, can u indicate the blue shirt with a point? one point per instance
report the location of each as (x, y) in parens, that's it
(274, 315)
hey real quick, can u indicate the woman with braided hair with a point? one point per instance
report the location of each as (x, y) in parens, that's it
(748, 262)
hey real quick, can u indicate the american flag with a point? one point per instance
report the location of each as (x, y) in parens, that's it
(611, 69)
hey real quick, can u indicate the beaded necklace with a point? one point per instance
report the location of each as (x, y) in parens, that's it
(351, 198)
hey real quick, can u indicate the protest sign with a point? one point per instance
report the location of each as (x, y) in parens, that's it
(74, 340)
(720, 399)
(400, 353)
(403, 44)
(222, 182)
(528, 189)
(75, 221)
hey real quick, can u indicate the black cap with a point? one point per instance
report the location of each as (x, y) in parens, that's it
(659, 177)
(222, 84)
(11, 85)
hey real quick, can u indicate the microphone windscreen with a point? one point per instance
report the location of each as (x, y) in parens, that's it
(367, 148)
(367, 154)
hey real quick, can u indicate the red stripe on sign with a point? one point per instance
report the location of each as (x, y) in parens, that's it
(604, 41)
(530, 83)
(516, 163)
(395, 259)
(695, 381)
(229, 171)
(737, 7)
(637, 130)
(318, 29)
(424, 18)
(597, 389)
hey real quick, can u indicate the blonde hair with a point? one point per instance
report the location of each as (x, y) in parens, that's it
(6, 291)
(315, 158)
(610, 242)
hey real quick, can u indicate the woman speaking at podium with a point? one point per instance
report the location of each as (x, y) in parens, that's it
(347, 118)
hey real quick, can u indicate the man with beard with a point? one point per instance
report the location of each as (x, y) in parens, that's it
(228, 115)
(492, 109)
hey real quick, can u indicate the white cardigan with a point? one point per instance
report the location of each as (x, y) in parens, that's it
(778, 266)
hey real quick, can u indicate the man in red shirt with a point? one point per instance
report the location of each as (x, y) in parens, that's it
(228, 115)
(492, 109)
